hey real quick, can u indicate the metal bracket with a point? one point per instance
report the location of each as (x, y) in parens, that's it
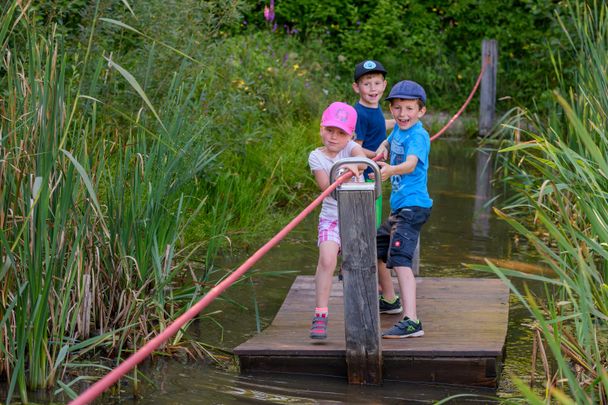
(333, 175)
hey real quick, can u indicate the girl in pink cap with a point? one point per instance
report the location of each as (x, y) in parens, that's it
(337, 129)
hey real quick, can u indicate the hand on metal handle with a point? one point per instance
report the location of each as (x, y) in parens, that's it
(334, 172)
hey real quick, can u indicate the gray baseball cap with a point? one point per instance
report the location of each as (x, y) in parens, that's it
(407, 90)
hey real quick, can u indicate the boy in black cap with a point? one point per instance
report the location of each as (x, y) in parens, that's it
(409, 145)
(371, 126)
(370, 132)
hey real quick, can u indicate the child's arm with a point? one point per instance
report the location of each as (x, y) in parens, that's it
(370, 154)
(404, 168)
(357, 151)
(383, 149)
(322, 179)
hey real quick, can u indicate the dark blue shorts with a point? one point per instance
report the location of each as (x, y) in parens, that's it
(397, 237)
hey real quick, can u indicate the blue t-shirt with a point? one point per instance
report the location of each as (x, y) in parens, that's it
(410, 189)
(370, 128)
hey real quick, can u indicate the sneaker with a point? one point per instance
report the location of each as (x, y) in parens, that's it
(388, 308)
(319, 327)
(404, 329)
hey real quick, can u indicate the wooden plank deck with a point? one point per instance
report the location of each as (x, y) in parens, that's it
(465, 326)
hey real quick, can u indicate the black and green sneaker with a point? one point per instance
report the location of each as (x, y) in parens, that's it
(404, 329)
(390, 307)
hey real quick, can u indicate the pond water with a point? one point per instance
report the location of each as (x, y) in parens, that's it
(461, 230)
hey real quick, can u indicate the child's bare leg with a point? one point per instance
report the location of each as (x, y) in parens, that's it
(385, 281)
(407, 288)
(328, 258)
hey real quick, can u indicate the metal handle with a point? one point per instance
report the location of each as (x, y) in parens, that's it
(357, 160)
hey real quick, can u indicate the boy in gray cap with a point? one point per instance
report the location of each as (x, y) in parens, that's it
(409, 146)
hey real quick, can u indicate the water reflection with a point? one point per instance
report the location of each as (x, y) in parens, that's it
(196, 384)
(483, 193)
(461, 224)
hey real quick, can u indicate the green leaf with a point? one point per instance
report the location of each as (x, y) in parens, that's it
(133, 82)
(584, 135)
(64, 387)
(531, 397)
(89, 185)
(521, 146)
(128, 27)
(6, 23)
(61, 356)
(128, 6)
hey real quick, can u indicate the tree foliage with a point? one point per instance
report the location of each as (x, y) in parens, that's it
(437, 43)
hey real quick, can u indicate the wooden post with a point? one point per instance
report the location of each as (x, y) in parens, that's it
(356, 208)
(487, 97)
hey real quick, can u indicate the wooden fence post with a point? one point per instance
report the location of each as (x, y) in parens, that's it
(487, 97)
(357, 217)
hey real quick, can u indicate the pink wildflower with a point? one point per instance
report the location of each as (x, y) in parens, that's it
(269, 12)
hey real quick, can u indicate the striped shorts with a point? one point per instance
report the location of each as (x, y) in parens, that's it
(328, 230)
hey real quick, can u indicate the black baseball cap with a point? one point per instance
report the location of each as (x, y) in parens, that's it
(368, 66)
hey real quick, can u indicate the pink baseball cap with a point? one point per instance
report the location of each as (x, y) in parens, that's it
(340, 115)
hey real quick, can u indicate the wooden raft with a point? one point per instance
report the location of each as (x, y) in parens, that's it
(464, 320)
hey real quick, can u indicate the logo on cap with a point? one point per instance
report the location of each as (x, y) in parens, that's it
(369, 64)
(342, 115)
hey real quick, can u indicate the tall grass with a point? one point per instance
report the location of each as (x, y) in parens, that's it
(262, 94)
(90, 220)
(559, 172)
(112, 182)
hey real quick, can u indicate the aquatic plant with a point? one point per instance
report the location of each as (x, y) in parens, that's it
(556, 166)
(90, 219)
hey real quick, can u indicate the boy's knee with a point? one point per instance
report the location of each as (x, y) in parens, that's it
(405, 271)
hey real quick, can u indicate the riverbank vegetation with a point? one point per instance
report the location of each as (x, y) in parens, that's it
(120, 174)
(436, 42)
(140, 139)
(557, 172)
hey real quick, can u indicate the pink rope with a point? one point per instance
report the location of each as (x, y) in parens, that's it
(109, 379)
(451, 121)
(100, 386)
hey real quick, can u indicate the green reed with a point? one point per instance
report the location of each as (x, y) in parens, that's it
(91, 218)
(37, 205)
(556, 166)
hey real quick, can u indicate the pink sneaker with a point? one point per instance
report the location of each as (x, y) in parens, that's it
(319, 327)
